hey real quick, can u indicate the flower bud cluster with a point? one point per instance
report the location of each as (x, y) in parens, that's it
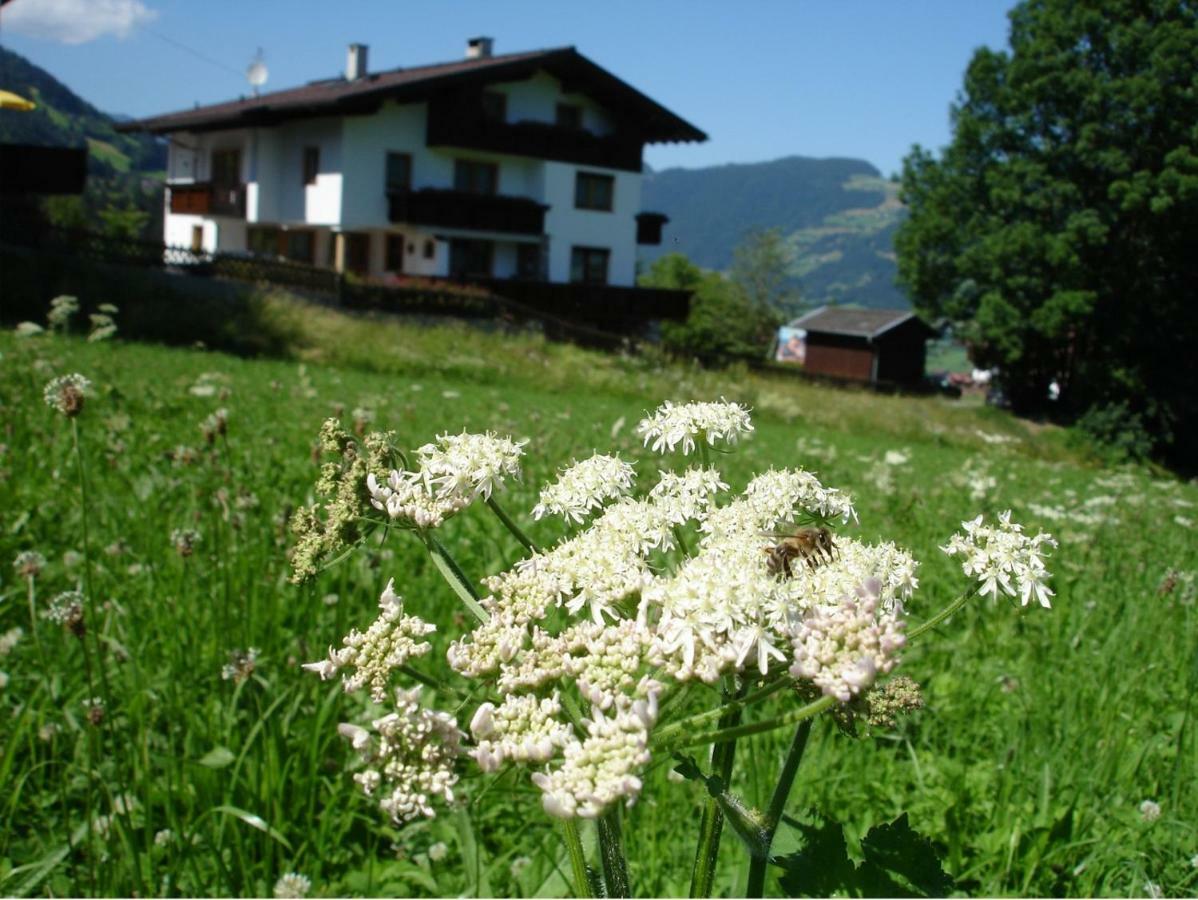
(585, 486)
(410, 757)
(521, 729)
(453, 473)
(1003, 558)
(843, 648)
(67, 393)
(386, 645)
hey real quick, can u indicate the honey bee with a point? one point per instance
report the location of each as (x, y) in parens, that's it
(813, 544)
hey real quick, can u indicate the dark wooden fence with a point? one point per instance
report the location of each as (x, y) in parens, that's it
(594, 315)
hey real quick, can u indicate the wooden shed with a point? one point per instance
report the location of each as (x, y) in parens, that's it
(873, 345)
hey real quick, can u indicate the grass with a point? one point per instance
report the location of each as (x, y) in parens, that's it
(1043, 732)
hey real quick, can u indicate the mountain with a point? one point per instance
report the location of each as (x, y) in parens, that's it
(838, 215)
(63, 119)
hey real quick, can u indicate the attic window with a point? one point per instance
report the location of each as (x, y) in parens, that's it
(569, 115)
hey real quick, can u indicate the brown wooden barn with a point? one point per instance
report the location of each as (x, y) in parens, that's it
(880, 346)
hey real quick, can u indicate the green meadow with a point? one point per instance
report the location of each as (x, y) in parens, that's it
(210, 770)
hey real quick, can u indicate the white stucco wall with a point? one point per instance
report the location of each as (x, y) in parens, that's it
(568, 227)
(366, 141)
(536, 100)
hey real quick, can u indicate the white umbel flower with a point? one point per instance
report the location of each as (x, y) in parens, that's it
(585, 486)
(673, 424)
(1004, 559)
(67, 393)
(292, 886)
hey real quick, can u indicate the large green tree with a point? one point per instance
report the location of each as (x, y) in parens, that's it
(1059, 229)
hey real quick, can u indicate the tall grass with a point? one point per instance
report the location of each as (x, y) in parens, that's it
(1041, 738)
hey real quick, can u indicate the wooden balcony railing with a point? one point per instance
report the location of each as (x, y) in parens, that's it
(208, 199)
(459, 209)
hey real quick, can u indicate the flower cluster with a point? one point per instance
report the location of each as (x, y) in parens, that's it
(29, 564)
(453, 473)
(386, 645)
(103, 325)
(585, 486)
(185, 541)
(292, 886)
(673, 424)
(410, 757)
(67, 393)
(240, 666)
(66, 609)
(62, 309)
(1003, 558)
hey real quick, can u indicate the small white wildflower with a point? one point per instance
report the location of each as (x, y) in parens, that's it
(1150, 810)
(62, 308)
(896, 458)
(1194, 861)
(29, 329)
(10, 639)
(585, 486)
(1004, 559)
(185, 541)
(292, 886)
(66, 609)
(163, 837)
(29, 564)
(240, 666)
(1153, 890)
(3, 680)
(67, 393)
(438, 851)
(673, 424)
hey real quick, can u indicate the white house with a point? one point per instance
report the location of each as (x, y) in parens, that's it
(526, 165)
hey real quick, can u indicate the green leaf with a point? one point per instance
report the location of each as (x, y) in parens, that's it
(217, 758)
(254, 821)
(822, 867)
(897, 847)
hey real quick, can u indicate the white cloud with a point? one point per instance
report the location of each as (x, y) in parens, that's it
(75, 21)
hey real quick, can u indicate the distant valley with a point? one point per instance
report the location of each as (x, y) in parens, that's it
(838, 215)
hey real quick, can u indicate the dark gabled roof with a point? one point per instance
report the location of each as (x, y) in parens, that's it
(866, 323)
(337, 96)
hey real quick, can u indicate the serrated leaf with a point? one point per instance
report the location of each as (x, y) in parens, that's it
(897, 847)
(217, 758)
(822, 867)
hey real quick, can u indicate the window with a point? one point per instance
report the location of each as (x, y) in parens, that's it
(588, 265)
(311, 164)
(475, 177)
(301, 246)
(593, 191)
(394, 253)
(494, 106)
(470, 259)
(430, 248)
(399, 171)
(262, 240)
(226, 167)
(528, 261)
(569, 115)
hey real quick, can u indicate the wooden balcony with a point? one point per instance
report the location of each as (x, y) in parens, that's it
(207, 199)
(459, 209)
(456, 123)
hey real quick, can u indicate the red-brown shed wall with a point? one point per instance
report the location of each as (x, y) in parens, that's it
(839, 362)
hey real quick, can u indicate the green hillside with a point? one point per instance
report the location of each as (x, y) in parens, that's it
(838, 214)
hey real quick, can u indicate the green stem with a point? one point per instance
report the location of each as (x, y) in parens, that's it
(757, 863)
(454, 575)
(943, 614)
(735, 732)
(689, 724)
(511, 525)
(578, 860)
(711, 822)
(611, 853)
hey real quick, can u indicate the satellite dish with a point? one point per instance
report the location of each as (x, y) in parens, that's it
(257, 73)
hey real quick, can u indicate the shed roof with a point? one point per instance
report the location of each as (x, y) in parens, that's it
(334, 96)
(866, 323)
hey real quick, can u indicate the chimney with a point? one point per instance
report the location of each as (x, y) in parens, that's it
(355, 62)
(479, 48)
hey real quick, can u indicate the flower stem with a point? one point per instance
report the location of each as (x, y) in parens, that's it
(578, 860)
(454, 575)
(711, 822)
(611, 853)
(730, 734)
(691, 722)
(943, 614)
(757, 863)
(511, 525)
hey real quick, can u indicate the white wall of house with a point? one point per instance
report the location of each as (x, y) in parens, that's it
(366, 141)
(536, 100)
(568, 227)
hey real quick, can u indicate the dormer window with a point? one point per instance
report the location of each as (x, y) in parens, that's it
(494, 106)
(569, 115)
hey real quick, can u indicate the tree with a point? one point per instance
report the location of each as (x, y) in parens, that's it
(761, 268)
(1057, 230)
(723, 323)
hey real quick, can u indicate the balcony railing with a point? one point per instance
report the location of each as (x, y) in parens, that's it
(207, 199)
(458, 124)
(459, 209)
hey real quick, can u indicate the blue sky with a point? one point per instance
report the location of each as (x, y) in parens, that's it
(856, 78)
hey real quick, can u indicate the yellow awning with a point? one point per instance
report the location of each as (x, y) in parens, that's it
(9, 100)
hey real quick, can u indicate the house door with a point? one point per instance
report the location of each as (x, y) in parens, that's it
(197, 238)
(357, 252)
